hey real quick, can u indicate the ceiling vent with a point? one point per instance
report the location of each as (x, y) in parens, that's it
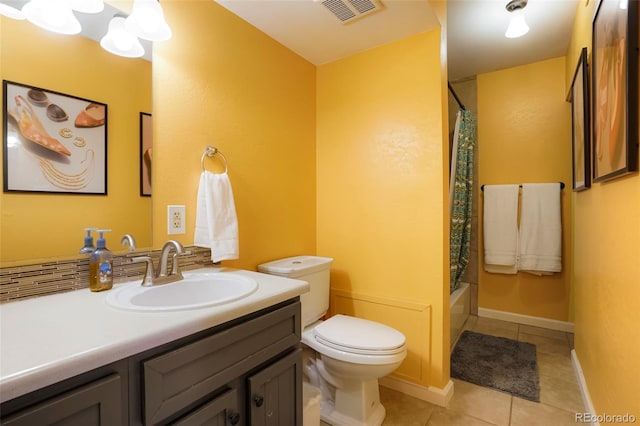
(350, 10)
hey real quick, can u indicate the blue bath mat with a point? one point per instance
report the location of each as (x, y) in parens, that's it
(497, 362)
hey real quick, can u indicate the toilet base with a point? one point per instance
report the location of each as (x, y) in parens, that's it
(329, 415)
(356, 405)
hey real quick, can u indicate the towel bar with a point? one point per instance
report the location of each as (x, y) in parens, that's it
(210, 151)
(561, 186)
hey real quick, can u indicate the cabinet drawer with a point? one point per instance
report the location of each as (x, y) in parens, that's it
(182, 377)
(97, 403)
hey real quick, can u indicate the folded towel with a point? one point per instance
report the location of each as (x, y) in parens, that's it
(216, 220)
(501, 228)
(540, 229)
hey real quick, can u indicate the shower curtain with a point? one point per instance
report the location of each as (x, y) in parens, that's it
(460, 195)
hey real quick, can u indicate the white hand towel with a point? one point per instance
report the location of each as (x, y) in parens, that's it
(501, 229)
(540, 229)
(216, 220)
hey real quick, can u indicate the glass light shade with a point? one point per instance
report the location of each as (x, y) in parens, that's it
(11, 11)
(517, 26)
(87, 6)
(52, 15)
(121, 42)
(147, 21)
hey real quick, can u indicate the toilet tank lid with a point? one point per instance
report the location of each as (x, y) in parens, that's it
(296, 266)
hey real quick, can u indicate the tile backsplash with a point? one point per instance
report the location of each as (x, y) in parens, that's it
(40, 279)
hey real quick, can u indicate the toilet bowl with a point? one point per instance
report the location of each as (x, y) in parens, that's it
(349, 354)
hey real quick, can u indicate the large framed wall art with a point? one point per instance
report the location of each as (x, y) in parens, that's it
(580, 125)
(615, 89)
(53, 142)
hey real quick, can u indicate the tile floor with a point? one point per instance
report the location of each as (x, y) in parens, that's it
(473, 405)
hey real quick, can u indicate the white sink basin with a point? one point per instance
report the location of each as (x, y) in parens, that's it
(197, 290)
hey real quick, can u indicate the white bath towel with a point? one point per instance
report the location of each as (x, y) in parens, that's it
(216, 220)
(501, 229)
(540, 229)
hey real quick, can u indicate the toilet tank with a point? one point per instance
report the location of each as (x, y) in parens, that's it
(312, 269)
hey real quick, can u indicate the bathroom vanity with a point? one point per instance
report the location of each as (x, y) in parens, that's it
(234, 364)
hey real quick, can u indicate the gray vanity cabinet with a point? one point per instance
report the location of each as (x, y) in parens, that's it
(96, 403)
(247, 371)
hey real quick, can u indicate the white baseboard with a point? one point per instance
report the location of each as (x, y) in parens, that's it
(527, 320)
(430, 394)
(586, 397)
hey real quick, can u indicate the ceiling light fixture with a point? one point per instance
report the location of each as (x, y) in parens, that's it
(121, 42)
(9, 11)
(52, 15)
(147, 21)
(517, 25)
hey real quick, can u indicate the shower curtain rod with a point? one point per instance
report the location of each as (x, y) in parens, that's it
(455, 95)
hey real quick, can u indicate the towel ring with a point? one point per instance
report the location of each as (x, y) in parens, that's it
(210, 151)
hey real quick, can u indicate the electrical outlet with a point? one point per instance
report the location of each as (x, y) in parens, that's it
(175, 220)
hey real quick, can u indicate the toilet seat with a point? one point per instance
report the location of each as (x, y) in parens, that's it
(357, 335)
(350, 339)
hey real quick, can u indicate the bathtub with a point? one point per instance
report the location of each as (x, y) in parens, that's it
(459, 301)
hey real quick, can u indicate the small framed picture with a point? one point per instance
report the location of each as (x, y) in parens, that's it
(53, 142)
(580, 140)
(146, 145)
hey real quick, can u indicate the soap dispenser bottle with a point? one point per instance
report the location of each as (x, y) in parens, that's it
(88, 242)
(100, 265)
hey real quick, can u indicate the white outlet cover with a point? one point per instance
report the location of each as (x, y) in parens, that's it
(176, 220)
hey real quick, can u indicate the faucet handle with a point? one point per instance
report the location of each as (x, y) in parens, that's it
(148, 272)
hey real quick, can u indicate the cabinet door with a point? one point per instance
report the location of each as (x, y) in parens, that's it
(275, 393)
(183, 376)
(221, 411)
(97, 403)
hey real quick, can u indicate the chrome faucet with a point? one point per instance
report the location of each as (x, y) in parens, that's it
(164, 258)
(161, 276)
(128, 240)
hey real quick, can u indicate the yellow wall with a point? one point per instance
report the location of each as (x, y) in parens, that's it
(221, 82)
(43, 225)
(524, 135)
(380, 193)
(607, 275)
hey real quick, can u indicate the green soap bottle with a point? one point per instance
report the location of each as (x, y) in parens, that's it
(100, 265)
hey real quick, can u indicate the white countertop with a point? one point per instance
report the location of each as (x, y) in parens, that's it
(51, 338)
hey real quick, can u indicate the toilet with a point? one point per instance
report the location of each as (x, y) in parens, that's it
(345, 356)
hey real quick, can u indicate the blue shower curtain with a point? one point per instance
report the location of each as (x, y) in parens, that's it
(460, 196)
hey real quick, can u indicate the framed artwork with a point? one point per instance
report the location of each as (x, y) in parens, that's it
(615, 90)
(53, 142)
(580, 141)
(146, 143)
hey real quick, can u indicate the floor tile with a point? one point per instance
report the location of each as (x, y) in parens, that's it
(546, 344)
(495, 328)
(544, 332)
(482, 403)
(560, 393)
(527, 413)
(444, 417)
(404, 410)
(553, 364)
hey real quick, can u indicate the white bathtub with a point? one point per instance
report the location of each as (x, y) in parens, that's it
(459, 301)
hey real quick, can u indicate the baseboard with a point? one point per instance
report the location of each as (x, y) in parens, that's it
(527, 320)
(430, 394)
(586, 397)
